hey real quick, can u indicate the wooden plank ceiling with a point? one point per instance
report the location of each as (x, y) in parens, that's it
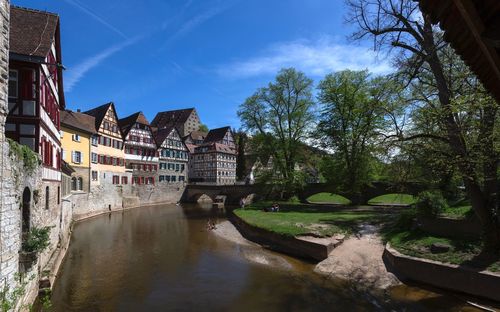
(472, 27)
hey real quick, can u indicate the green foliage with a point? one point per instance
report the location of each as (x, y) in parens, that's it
(45, 300)
(241, 158)
(430, 203)
(352, 118)
(279, 117)
(9, 297)
(203, 128)
(22, 152)
(37, 240)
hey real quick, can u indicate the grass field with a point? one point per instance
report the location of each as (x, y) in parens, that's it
(392, 199)
(328, 198)
(299, 220)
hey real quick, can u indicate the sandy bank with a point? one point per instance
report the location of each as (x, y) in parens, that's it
(359, 259)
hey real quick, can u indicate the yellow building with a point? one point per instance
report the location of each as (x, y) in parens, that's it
(76, 132)
(107, 156)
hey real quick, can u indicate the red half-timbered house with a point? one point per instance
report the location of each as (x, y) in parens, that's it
(36, 90)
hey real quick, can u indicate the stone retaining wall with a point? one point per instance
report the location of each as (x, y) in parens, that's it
(448, 227)
(453, 277)
(282, 243)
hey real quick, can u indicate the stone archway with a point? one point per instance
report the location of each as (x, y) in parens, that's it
(26, 211)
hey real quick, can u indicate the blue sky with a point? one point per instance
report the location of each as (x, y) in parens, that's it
(156, 55)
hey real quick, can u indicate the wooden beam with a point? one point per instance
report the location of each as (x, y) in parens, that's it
(474, 23)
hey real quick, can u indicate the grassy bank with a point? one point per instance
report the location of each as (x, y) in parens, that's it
(328, 198)
(299, 219)
(393, 199)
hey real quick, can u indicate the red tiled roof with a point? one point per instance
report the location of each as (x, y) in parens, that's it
(172, 118)
(216, 134)
(128, 122)
(32, 32)
(78, 121)
(161, 134)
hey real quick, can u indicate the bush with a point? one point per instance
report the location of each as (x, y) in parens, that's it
(430, 203)
(37, 240)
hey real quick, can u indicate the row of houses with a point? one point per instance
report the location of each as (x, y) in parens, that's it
(97, 143)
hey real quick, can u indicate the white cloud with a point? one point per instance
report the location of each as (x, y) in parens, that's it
(316, 58)
(96, 17)
(73, 75)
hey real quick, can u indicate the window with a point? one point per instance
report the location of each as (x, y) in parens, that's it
(116, 179)
(124, 180)
(76, 137)
(80, 183)
(77, 157)
(94, 158)
(13, 84)
(47, 198)
(95, 140)
(94, 175)
(181, 178)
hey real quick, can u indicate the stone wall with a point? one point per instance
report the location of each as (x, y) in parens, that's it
(158, 193)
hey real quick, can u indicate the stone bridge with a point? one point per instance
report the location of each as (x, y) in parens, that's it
(233, 192)
(367, 192)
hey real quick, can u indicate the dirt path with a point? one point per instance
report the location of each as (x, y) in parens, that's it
(359, 259)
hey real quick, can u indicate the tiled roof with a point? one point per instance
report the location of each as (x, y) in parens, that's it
(216, 134)
(32, 32)
(198, 135)
(171, 118)
(191, 147)
(99, 113)
(161, 134)
(221, 148)
(128, 122)
(78, 121)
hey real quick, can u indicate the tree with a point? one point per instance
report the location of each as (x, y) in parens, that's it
(203, 128)
(241, 169)
(351, 119)
(281, 115)
(399, 28)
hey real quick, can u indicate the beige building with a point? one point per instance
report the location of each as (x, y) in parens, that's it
(107, 157)
(184, 120)
(214, 161)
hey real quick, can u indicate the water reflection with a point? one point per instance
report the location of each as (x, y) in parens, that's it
(162, 258)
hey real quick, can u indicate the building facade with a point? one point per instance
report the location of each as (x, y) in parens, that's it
(77, 130)
(107, 155)
(184, 120)
(215, 160)
(174, 156)
(140, 149)
(35, 92)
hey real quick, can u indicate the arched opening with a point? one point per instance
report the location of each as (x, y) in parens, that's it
(47, 202)
(328, 198)
(204, 198)
(26, 211)
(80, 184)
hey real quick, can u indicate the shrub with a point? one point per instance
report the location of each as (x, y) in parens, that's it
(430, 203)
(37, 240)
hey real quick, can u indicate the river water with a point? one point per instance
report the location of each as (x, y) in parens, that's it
(162, 258)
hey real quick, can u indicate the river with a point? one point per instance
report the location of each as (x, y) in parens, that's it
(162, 258)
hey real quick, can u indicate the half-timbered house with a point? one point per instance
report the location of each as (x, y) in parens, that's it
(173, 154)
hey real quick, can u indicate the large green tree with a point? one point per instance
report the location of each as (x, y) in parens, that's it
(351, 120)
(422, 55)
(280, 116)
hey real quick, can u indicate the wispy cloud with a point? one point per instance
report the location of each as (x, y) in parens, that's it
(198, 19)
(96, 17)
(75, 74)
(315, 58)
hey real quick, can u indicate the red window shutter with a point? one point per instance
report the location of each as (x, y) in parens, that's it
(27, 84)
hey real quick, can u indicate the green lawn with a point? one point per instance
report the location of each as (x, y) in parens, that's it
(417, 244)
(293, 221)
(328, 198)
(458, 212)
(388, 199)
